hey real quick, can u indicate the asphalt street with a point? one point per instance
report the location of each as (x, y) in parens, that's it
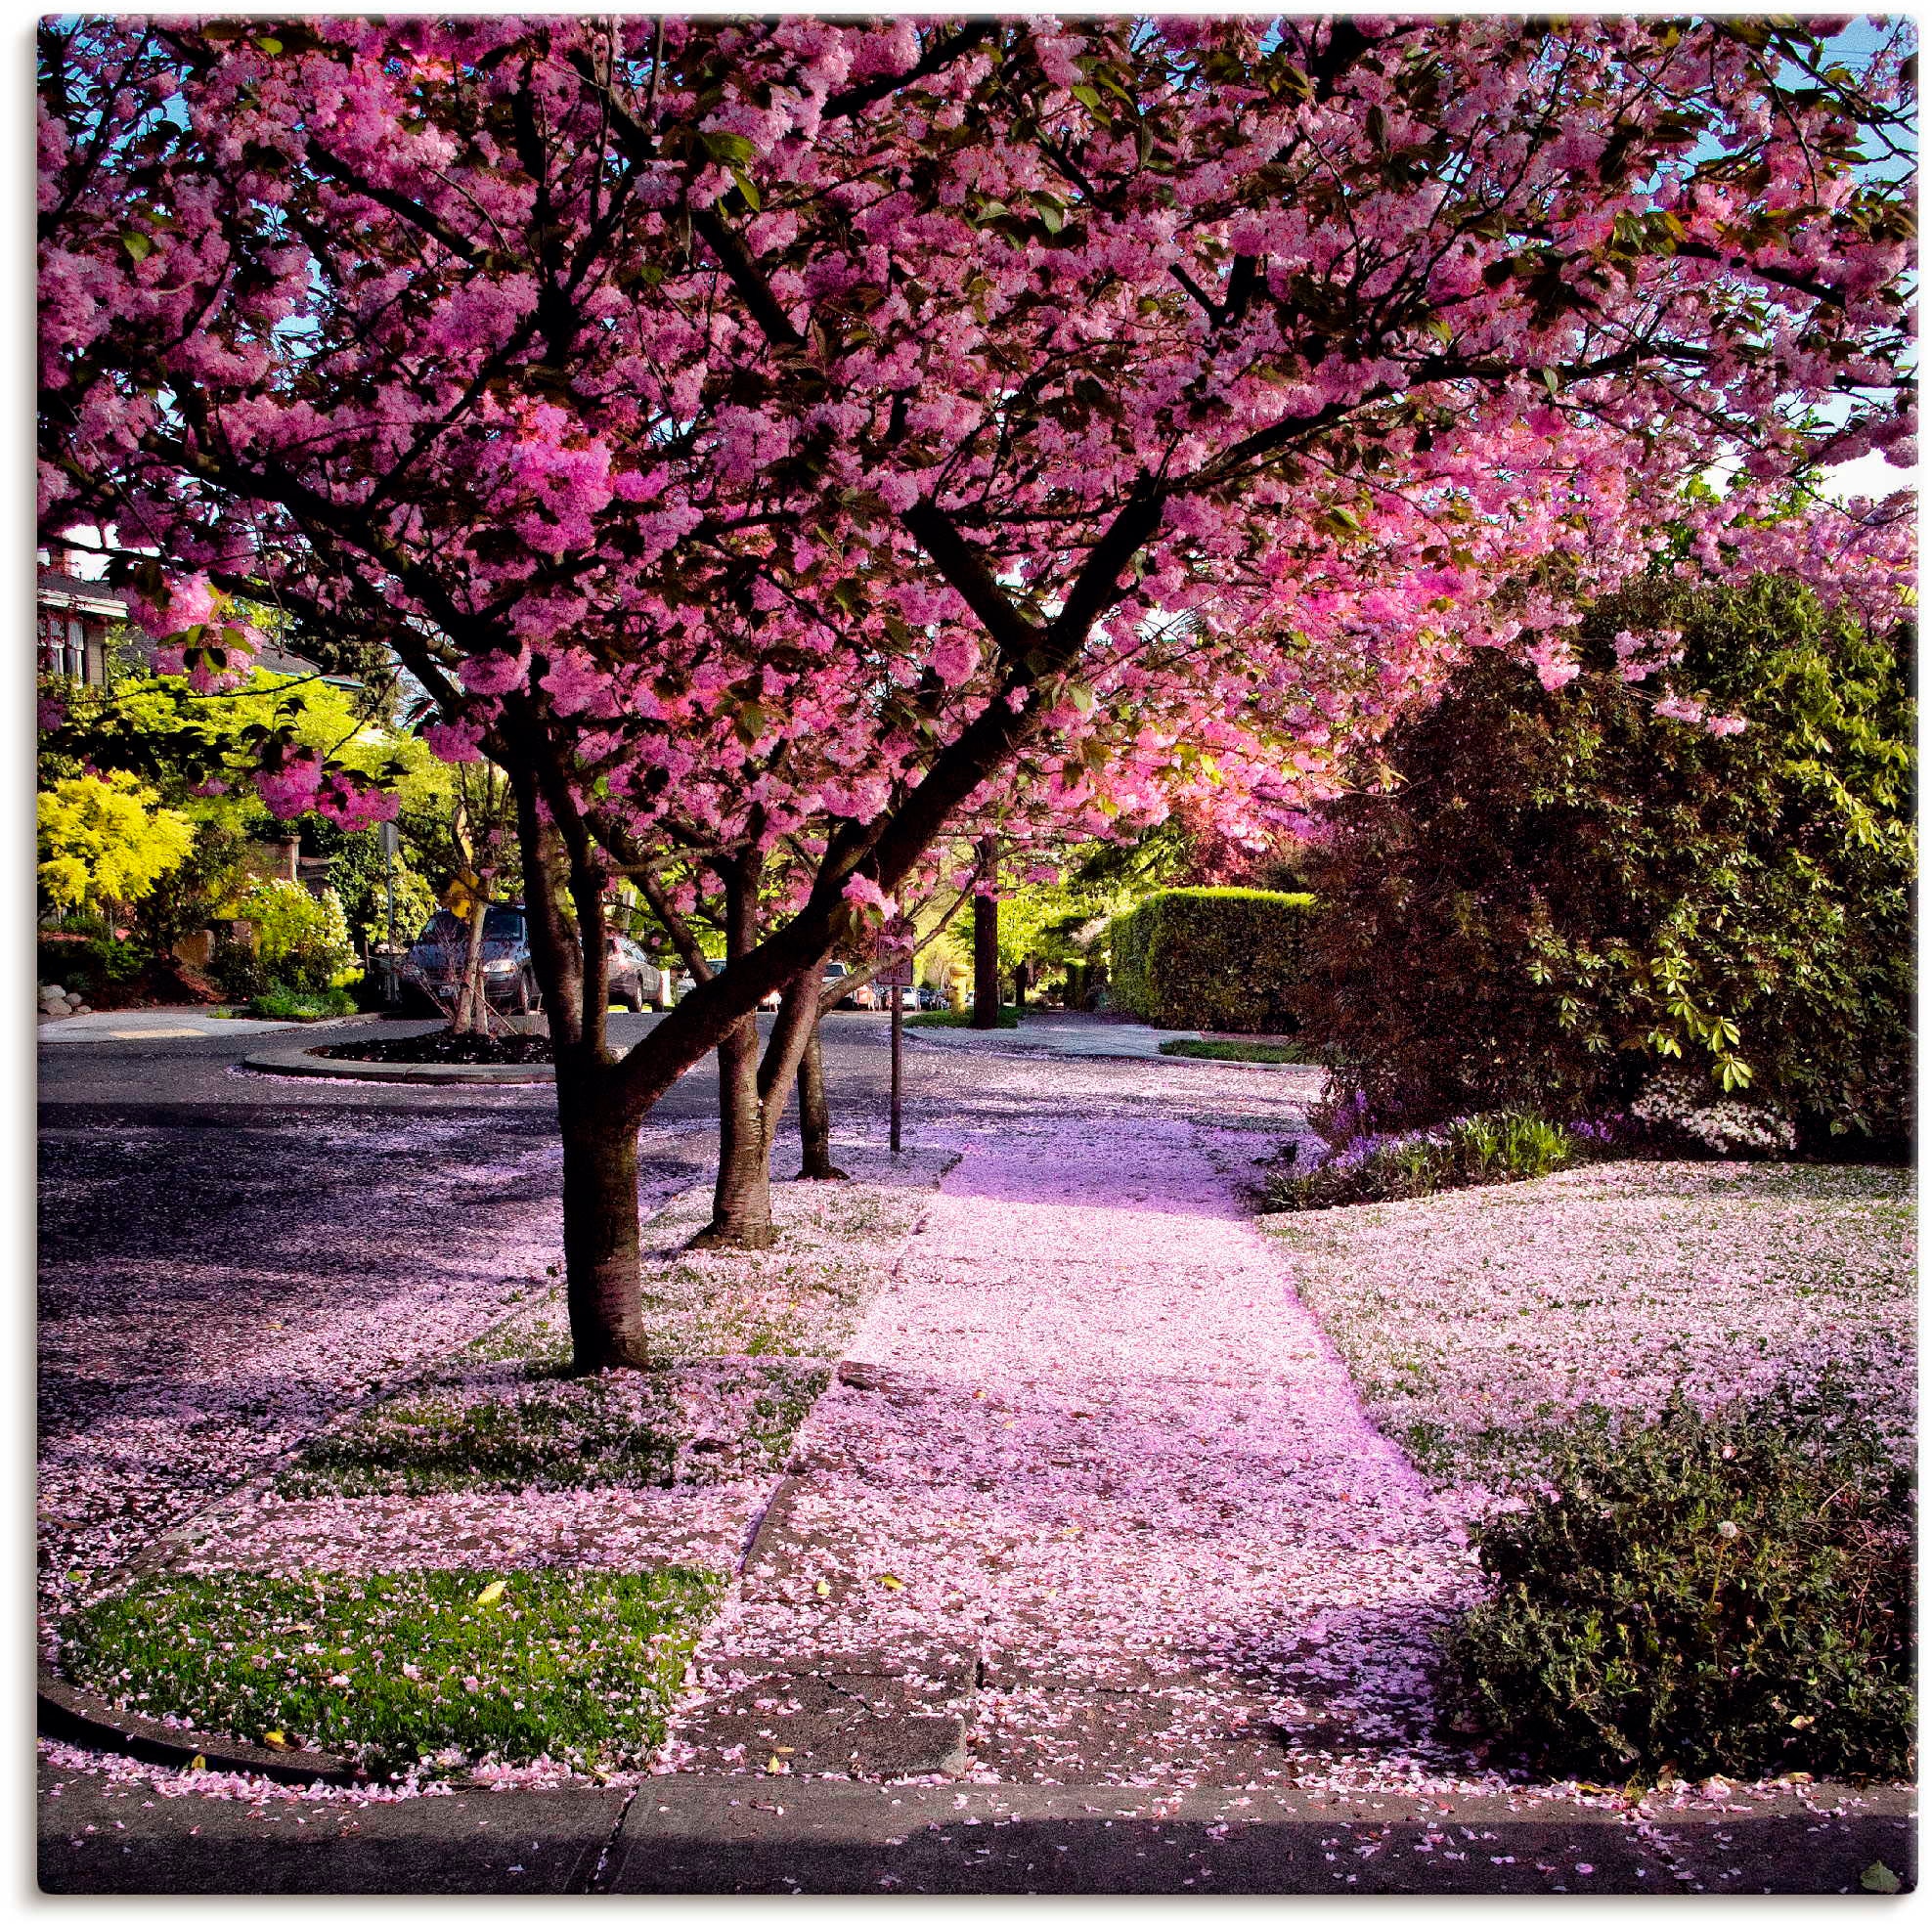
(192, 1073)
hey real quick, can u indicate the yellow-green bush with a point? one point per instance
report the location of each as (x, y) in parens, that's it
(1209, 958)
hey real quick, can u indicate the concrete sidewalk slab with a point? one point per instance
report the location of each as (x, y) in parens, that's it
(161, 1024)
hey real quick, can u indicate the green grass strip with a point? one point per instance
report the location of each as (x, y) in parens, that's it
(620, 1431)
(571, 1665)
(959, 1019)
(1244, 1052)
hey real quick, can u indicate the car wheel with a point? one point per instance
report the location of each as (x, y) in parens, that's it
(525, 999)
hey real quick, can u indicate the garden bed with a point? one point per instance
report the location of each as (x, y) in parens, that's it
(442, 1045)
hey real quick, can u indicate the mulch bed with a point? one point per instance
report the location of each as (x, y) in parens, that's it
(439, 1046)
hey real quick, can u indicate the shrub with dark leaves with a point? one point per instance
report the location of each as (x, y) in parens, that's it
(1724, 1592)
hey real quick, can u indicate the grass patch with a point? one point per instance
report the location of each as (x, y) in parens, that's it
(400, 1670)
(302, 1005)
(1469, 1153)
(959, 1019)
(1728, 1593)
(1475, 1322)
(1241, 1052)
(629, 1429)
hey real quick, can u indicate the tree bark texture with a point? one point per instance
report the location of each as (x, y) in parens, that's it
(599, 1228)
(814, 1116)
(741, 1202)
(985, 962)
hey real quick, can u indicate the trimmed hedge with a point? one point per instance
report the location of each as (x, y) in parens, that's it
(1210, 958)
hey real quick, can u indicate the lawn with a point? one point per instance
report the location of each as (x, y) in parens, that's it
(1475, 1321)
(426, 1667)
(1239, 1052)
(502, 1564)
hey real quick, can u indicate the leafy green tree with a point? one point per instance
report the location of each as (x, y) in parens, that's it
(1542, 897)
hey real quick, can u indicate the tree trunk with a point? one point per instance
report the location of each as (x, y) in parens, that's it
(1022, 976)
(985, 962)
(814, 1116)
(468, 1017)
(599, 1226)
(741, 1202)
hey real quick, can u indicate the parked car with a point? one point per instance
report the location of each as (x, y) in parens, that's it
(909, 998)
(432, 969)
(930, 999)
(864, 996)
(686, 981)
(633, 974)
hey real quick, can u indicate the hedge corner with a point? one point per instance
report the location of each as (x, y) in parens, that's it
(1210, 958)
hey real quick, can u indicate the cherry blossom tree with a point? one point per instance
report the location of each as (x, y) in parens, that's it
(1167, 402)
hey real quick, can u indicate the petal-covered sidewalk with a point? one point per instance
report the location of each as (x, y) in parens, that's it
(1093, 1501)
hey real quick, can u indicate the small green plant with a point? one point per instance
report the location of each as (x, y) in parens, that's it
(576, 1666)
(1728, 1593)
(959, 1019)
(1241, 1052)
(1507, 1146)
(280, 1003)
(551, 1433)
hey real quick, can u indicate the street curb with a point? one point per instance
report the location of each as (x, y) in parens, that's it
(73, 1715)
(749, 1834)
(303, 1062)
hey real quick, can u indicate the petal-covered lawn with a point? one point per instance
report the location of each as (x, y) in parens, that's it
(1473, 1318)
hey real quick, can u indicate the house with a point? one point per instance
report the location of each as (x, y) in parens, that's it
(74, 619)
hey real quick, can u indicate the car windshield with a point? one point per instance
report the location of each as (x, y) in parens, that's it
(835, 969)
(499, 925)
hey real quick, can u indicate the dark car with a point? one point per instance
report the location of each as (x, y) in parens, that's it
(772, 998)
(433, 967)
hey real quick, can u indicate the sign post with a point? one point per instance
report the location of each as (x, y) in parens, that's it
(895, 975)
(386, 839)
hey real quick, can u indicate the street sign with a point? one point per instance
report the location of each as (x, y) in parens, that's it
(895, 971)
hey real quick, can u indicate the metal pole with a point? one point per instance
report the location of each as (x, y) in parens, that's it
(899, 1019)
(387, 835)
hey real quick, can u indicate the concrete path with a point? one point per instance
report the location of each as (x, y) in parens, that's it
(161, 1024)
(1092, 1502)
(1063, 1033)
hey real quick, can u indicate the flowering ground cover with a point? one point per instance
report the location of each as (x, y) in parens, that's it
(1475, 1321)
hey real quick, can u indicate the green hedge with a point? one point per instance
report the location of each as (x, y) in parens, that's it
(1209, 958)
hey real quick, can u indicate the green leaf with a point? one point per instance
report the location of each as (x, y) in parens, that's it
(137, 243)
(745, 186)
(1880, 1877)
(731, 148)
